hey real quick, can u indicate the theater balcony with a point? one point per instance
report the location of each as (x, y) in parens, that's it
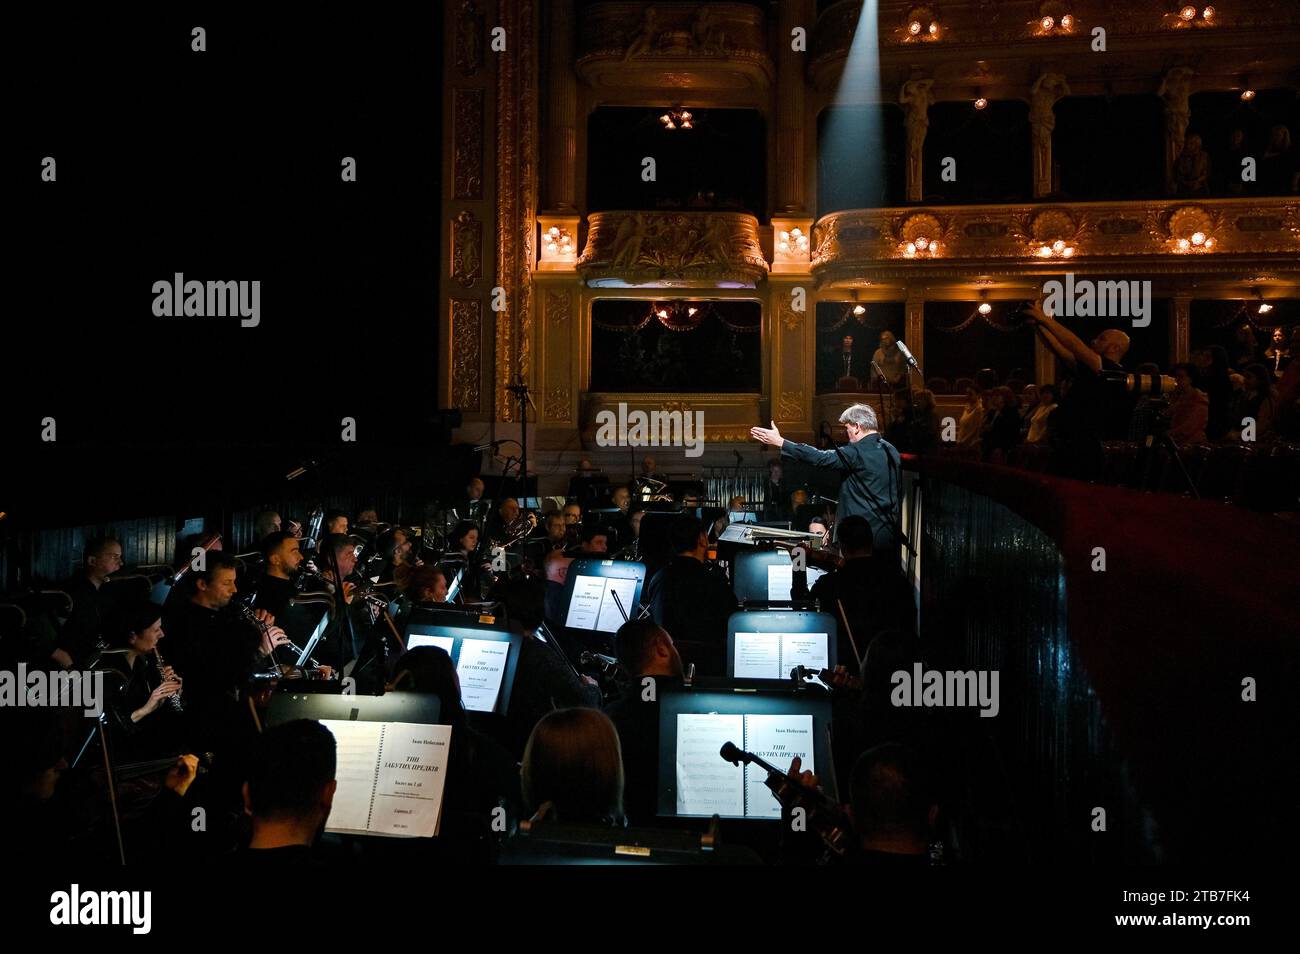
(1012, 35)
(636, 249)
(1203, 236)
(715, 48)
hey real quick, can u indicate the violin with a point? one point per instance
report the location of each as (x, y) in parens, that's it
(837, 678)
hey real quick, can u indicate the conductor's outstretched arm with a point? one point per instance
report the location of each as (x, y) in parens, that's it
(800, 452)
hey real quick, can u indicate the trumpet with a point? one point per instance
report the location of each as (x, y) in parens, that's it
(175, 698)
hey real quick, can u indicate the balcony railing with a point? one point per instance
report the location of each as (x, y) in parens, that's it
(672, 250)
(1218, 234)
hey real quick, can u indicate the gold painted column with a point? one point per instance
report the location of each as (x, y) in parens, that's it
(516, 200)
(562, 110)
(790, 124)
(914, 333)
(464, 279)
(1180, 328)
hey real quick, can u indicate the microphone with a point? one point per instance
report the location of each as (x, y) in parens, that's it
(907, 354)
(491, 445)
(299, 470)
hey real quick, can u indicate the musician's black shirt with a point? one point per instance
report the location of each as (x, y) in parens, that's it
(214, 651)
(693, 602)
(637, 721)
(870, 481)
(876, 597)
(274, 594)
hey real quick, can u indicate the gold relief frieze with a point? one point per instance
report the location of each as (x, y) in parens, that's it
(466, 248)
(467, 143)
(466, 345)
(559, 405)
(790, 406)
(672, 249)
(674, 45)
(469, 38)
(559, 307)
(872, 239)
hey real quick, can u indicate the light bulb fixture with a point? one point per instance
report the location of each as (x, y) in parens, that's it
(985, 308)
(859, 310)
(1067, 23)
(1247, 95)
(914, 28)
(1058, 246)
(1046, 23)
(677, 118)
(1264, 307)
(1208, 13)
(1044, 251)
(1198, 238)
(934, 28)
(1068, 251)
(911, 248)
(921, 24)
(981, 102)
(922, 242)
(1187, 13)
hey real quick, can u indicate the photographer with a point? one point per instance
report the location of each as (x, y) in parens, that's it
(1093, 411)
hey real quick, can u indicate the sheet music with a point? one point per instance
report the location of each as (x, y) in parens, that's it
(758, 656)
(481, 665)
(584, 608)
(416, 640)
(610, 618)
(776, 739)
(412, 774)
(592, 606)
(814, 574)
(773, 655)
(780, 580)
(357, 748)
(805, 649)
(390, 777)
(706, 783)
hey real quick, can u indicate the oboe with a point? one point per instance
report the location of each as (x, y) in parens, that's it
(175, 697)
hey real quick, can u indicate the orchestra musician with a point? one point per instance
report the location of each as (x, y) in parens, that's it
(868, 465)
(632, 550)
(691, 599)
(464, 557)
(90, 602)
(138, 687)
(281, 559)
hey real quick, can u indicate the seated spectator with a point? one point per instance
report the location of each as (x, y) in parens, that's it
(1279, 173)
(924, 432)
(1190, 408)
(970, 426)
(646, 652)
(1029, 398)
(1192, 168)
(1259, 402)
(1001, 432)
(573, 764)
(289, 791)
(1037, 432)
(1278, 355)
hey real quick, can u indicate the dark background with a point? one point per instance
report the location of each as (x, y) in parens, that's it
(223, 165)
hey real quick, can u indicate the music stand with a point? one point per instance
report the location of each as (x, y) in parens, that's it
(805, 717)
(786, 646)
(450, 632)
(595, 612)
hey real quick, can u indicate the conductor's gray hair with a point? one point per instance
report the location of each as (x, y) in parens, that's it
(862, 415)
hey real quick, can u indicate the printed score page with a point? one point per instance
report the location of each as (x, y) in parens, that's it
(776, 739)
(481, 666)
(707, 784)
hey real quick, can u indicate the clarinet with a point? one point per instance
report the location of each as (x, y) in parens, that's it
(175, 697)
(246, 611)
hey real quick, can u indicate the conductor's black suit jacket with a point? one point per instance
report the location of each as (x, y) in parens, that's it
(870, 476)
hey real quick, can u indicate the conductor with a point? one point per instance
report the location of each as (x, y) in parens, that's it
(869, 467)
